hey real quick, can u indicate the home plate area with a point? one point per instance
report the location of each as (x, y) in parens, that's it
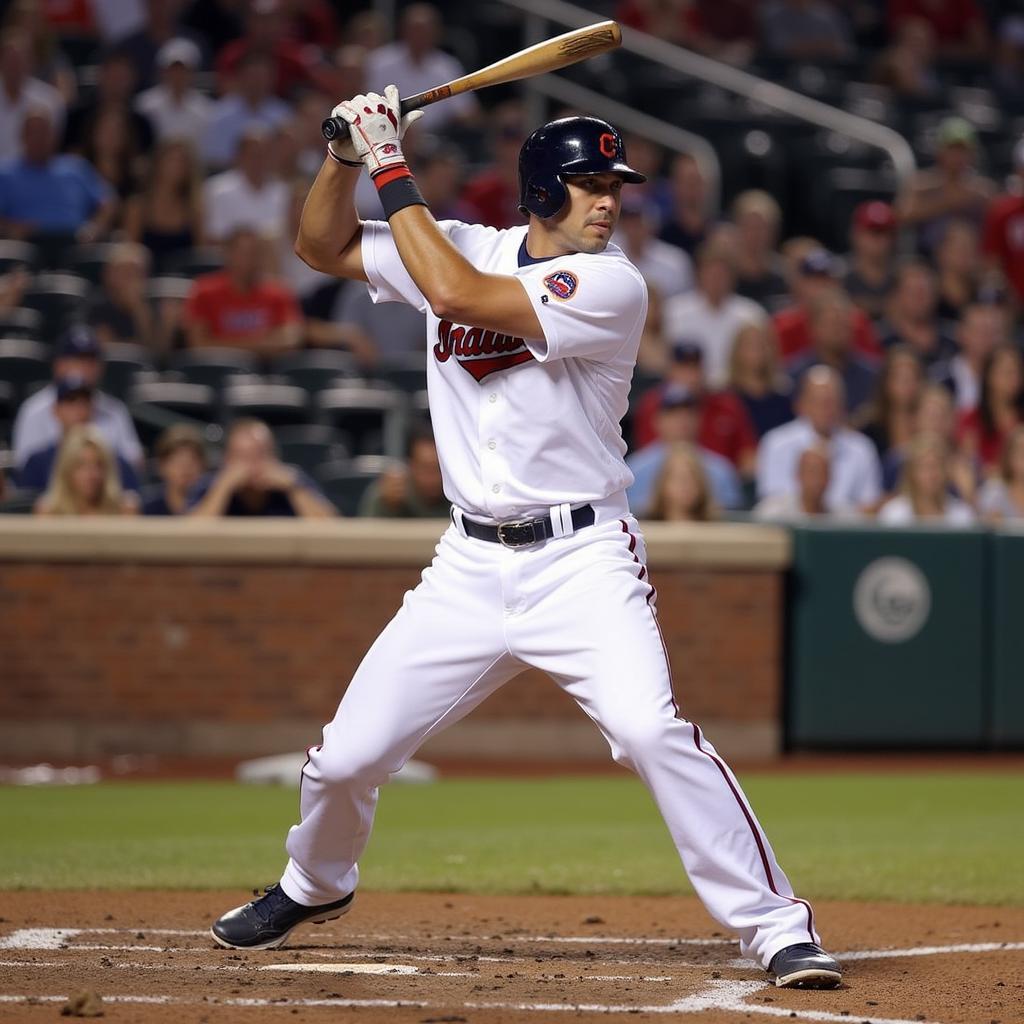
(147, 957)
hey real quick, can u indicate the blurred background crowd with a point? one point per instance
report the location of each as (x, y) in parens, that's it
(824, 338)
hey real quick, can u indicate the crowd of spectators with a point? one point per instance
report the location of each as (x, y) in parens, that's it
(775, 377)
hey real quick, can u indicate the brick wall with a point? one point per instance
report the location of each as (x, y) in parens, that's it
(129, 656)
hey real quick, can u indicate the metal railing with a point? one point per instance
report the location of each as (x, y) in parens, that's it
(731, 79)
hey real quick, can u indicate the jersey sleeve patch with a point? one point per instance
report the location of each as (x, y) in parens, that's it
(562, 284)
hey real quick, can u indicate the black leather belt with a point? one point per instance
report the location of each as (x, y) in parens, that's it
(522, 532)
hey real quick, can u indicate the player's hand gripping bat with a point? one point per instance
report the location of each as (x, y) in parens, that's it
(550, 55)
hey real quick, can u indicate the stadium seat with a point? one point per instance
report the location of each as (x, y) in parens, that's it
(122, 362)
(8, 405)
(21, 323)
(18, 503)
(23, 364)
(315, 369)
(166, 287)
(17, 254)
(344, 485)
(310, 445)
(215, 367)
(193, 262)
(408, 374)
(58, 298)
(278, 405)
(156, 405)
(372, 416)
(88, 261)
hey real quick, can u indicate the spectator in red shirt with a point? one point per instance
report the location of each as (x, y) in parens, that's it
(982, 432)
(959, 25)
(725, 426)
(492, 195)
(238, 306)
(1003, 235)
(814, 274)
(265, 32)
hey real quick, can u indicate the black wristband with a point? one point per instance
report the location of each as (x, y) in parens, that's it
(341, 160)
(398, 194)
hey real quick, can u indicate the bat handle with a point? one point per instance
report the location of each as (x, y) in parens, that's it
(332, 127)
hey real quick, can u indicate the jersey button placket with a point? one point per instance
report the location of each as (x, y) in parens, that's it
(493, 470)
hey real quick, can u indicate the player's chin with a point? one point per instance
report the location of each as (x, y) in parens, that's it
(593, 243)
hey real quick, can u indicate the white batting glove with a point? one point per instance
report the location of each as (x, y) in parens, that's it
(341, 146)
(376, 127)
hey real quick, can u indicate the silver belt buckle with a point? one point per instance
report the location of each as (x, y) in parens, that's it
(508, 542)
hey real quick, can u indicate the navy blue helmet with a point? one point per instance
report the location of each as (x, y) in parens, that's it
(571, 145)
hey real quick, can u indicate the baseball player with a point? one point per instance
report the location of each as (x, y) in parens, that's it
(532, 333)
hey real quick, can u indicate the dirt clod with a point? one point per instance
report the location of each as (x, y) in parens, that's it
(85, 1004)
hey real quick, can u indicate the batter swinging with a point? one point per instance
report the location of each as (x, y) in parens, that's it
(533, 333)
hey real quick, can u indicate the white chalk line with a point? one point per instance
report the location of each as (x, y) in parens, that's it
(719, 995)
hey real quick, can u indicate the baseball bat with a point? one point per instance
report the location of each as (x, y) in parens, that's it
(550, 55)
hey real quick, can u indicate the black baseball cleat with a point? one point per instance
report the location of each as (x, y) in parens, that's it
(805, 965)
(266, 922)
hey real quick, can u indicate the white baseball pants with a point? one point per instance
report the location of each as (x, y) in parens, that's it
(581, 609)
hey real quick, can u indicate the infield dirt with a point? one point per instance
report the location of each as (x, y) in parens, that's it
(487, 959)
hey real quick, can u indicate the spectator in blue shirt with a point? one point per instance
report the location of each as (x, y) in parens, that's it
(254, 482)
(44, 193)
(73, 408)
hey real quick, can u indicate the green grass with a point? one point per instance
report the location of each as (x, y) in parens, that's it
(954, 838)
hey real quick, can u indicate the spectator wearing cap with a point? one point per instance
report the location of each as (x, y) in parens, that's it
(870, 264)
(687, 223)
(36, 426)
(912, 317)
(667, 267)
(250, 103)
(755, 378)
(120, 312)
(415, 63)
(856, 475)
(983, 328)
(712, 313)
(73, 407)
(160, 26)
(724, 426)
(807, 501)
(181, 462)
(174, 106)
(252, 481)
(815, 272)
(84, 480)
(678, 420)
(21, 92)
(1003, 234)
(804, 30)
(492, 194)
(759, 269)
(960, 28)
(831, 322)
(248, 195)
(240, 306)
(412, 489)
(46, 196)
(952, 188)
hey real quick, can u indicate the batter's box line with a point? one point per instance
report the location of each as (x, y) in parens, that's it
(720, 995)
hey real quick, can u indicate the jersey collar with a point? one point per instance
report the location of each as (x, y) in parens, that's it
(526, 260)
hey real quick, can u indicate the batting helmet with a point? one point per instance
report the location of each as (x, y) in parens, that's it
(571, 145)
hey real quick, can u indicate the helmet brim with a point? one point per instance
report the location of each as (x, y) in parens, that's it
(626, 172)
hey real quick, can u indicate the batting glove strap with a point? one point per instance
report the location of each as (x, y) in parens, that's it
(397, 189)
(339, 160)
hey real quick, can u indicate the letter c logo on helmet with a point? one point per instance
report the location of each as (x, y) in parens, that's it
(571, 145)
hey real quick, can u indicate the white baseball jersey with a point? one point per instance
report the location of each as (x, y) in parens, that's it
(523, 424)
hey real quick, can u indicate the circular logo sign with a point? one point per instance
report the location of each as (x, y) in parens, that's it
(892, 600)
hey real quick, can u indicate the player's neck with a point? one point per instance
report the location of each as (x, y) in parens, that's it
(542, 244)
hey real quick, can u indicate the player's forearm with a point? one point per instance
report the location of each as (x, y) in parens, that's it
(446, 278)
(329, 220)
